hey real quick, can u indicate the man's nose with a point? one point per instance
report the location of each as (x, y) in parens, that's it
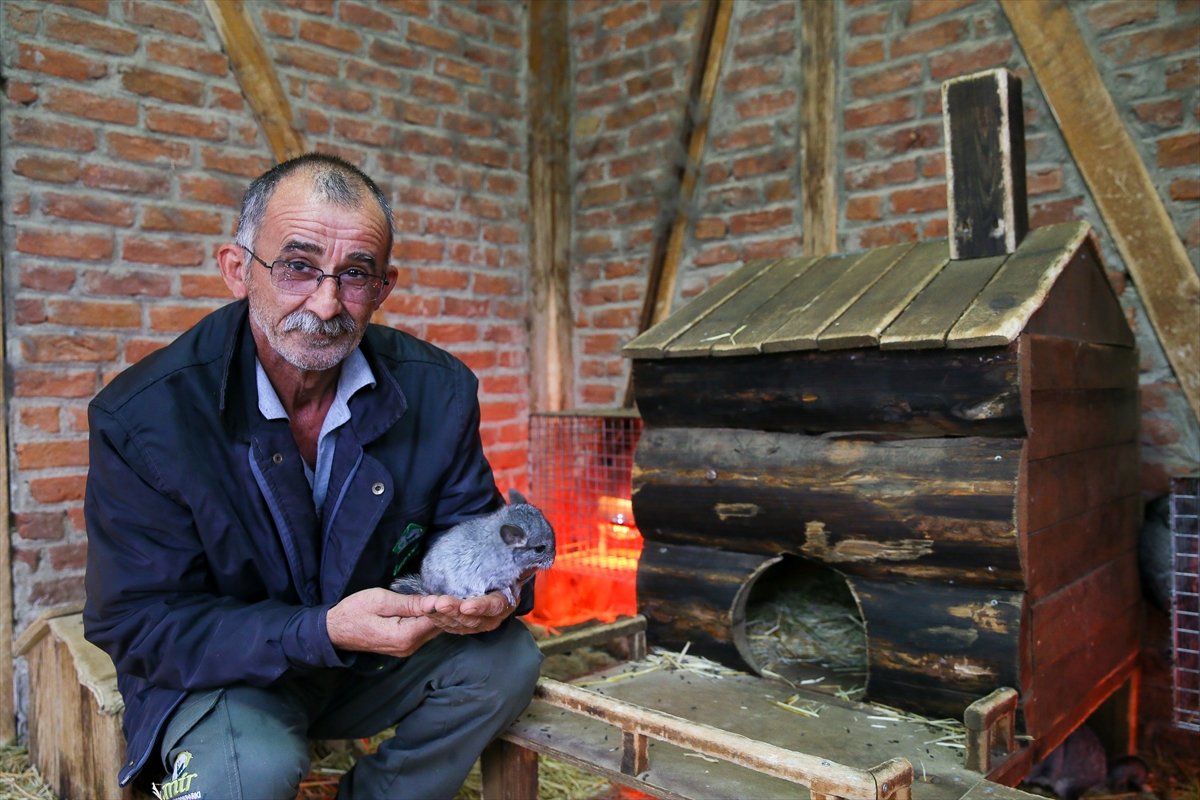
(325, 301)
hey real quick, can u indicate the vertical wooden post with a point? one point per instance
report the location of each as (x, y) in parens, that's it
(8, 711)
(635, 753)
(551, 361)
(984, 124)
(510, 772)
(818, 126)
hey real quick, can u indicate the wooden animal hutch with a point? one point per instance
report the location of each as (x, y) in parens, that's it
(951, 425)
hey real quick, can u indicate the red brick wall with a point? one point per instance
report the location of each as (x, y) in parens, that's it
(127, 145)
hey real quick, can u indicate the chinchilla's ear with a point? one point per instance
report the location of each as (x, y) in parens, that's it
(512, 535)
(515, 497)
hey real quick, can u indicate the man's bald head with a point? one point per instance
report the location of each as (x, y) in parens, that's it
(334, 180)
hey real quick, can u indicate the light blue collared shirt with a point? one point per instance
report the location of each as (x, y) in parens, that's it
(356, 374)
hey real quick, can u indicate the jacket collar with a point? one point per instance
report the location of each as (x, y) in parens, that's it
(372, 411)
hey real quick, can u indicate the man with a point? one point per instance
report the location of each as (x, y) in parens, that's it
(255, 484)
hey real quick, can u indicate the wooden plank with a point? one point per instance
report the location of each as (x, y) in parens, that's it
(984, 126)
(255, 72)
(1082, 304)
(1119, 182)
(1068, 364)
(1058, 555)
(799, 294)
(509, 772)
(724, 323)
(1001, 310)
(595, 635)
(1065, 486)
(653, 343)
(41, 626)
(801, 331)
(1069, 618)
(952, 643)
(866, 320)
(1070, 420)
(914, 508)
(917, 393)
(933, 312)
(8, 711)
(551, 325)
(818, 126)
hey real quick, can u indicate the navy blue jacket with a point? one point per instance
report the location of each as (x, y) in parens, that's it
(207, 563)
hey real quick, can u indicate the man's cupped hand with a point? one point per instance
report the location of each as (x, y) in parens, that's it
(382, 621)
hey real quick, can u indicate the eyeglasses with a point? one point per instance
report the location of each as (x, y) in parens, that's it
(296, 277)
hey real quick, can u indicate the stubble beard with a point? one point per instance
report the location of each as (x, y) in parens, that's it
(325, 342)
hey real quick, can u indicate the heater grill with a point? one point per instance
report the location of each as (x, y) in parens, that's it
(1185, 599)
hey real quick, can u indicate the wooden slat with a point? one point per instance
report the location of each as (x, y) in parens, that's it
(723, 324)
(1067, 364)
(1069, 420)
(818, 126)
(1068, 485)
(41, 626)
(8, 711)
(802, 330)
(551, 357)
(1068, 619)
(653, 343)
(866, 320)
(931, 315)
(1061, 553)
(1121, 185)
(1082, 304)
(256, 75)
(1000, 312)
(800, 293)
(595, 635)
(508, 771)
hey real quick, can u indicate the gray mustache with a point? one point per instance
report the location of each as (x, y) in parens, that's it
(306, 321)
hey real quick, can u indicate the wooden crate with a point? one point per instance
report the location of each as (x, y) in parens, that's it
(75, 738)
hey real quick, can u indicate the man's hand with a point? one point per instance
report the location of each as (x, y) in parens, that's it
(382, 621)
(473, 615)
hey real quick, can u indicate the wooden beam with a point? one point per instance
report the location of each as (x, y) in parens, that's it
(664, 262)
(1118, 179)
(255, 73)
(551, 359)
(8, 711)
(818, 126)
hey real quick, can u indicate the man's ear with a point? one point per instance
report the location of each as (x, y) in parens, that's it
(393, 275)
(232, 259)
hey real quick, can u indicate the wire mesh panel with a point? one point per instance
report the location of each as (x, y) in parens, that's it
(1185, 599)
(581, 465)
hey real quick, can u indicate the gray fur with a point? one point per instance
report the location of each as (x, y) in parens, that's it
(472, 558)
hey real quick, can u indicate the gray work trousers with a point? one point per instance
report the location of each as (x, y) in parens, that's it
(447, 702)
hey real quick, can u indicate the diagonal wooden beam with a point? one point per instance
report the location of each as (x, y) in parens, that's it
(818, 126)
(256, 75)
(1118, 179)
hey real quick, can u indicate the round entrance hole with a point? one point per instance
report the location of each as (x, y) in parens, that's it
(800, 620)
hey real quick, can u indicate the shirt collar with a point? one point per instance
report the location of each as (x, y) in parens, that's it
(356, 374)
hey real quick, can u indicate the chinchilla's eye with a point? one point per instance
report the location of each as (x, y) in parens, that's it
(541, 548)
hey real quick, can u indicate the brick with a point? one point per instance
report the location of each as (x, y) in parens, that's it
(864, 208)
(163, 19)
(64, 489)
(224, 98)
(773, 248)
(203, 286)
(39, 524)
(278, 24)
(214, 191)
(922, 137)
(137, 349)
(35, 383)
(869, 23)
(451, 333)
(364, 133)
(881, 113)
(775, 44)
(50, 61)
(21, 93)
(1178, 151)
(55, 348)
(933, 165)
(766, 104)
(935, 228)
(90, 34)
(888, 80)
(1046, 181)
(1183, 75)
(58, 135)
(53, 242)
(102, 282)
(419, 33)
(88, 209)
(916, 201)
(759, 221)
(866, 53)
(397, 55)
(411, 305)
(57, 592)
(1152, 43)
(1161, 113)
(652, 31)
(372, 76)
(147, 150)
(248, 166)
(177, 318)
(710, 228)
(42, 418)
(769, 18)
(598, 395)
(885, 235)
(46, 279)
(125, 180)
(502, 184)
(1054, 212)
(921, 10)
(338, 97)
(170, 88)
(185, 220)
(90, 106)
(68, 556)
(464, 22)
(77, 418)
(876, 175)
(323, 7)
(1185, 189)
(428, 144)
(458, 70)
(171, 253)
(418, 250)
(495, 284)
(44, 168)
(331, 36)
(483, 154)
(752, 77)
(951, 65)
(181, 124)
(306, 58)
(1106, 16)
(598, 47)
(362, 16)
(29, 311)
(721, 254)
(623, 14)
(416, 8)
(95, 314)
(763, 164)
(932, 38)
(499, 10)
(20, 19)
